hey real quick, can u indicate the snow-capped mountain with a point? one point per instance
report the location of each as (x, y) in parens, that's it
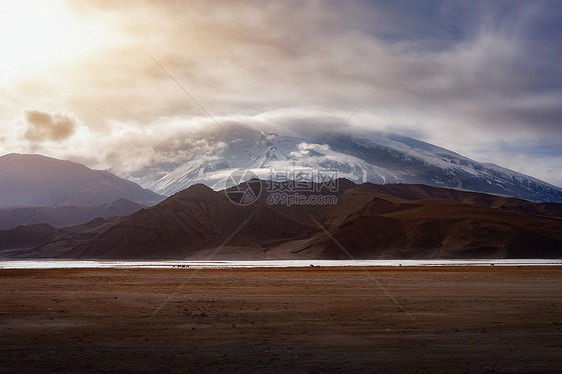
(376, 158)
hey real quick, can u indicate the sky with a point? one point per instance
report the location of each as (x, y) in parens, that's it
(98, 82)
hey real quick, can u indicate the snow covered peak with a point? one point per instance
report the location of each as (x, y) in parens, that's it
(378, 158)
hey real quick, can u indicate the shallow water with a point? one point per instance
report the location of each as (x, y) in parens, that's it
(112, 264)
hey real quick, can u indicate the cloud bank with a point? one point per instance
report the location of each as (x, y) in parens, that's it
(480, 78)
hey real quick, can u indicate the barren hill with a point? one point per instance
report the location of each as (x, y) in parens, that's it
(368, 221)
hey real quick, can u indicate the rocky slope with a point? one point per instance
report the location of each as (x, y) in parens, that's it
(368, 221)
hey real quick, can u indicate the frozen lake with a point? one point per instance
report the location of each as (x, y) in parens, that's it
(112, 264)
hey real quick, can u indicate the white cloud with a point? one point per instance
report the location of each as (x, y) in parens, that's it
(463, 75)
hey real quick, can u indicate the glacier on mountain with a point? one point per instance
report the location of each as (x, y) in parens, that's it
(376, 158)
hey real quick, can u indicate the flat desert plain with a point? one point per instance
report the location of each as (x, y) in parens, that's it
(299, 320)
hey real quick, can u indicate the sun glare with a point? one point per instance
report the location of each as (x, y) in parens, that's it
(35, 34)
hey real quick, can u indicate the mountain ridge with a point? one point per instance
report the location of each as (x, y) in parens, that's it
(371, 157)
(369, 221)
(36, 180)
(63, 216)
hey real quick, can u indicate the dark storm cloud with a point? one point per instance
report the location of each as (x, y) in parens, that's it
(433, 58)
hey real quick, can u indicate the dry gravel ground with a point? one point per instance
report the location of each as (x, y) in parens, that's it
(313, 320)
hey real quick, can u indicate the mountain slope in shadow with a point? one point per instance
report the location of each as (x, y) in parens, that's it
(61, 216)
(35, 180)
(368, 221)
